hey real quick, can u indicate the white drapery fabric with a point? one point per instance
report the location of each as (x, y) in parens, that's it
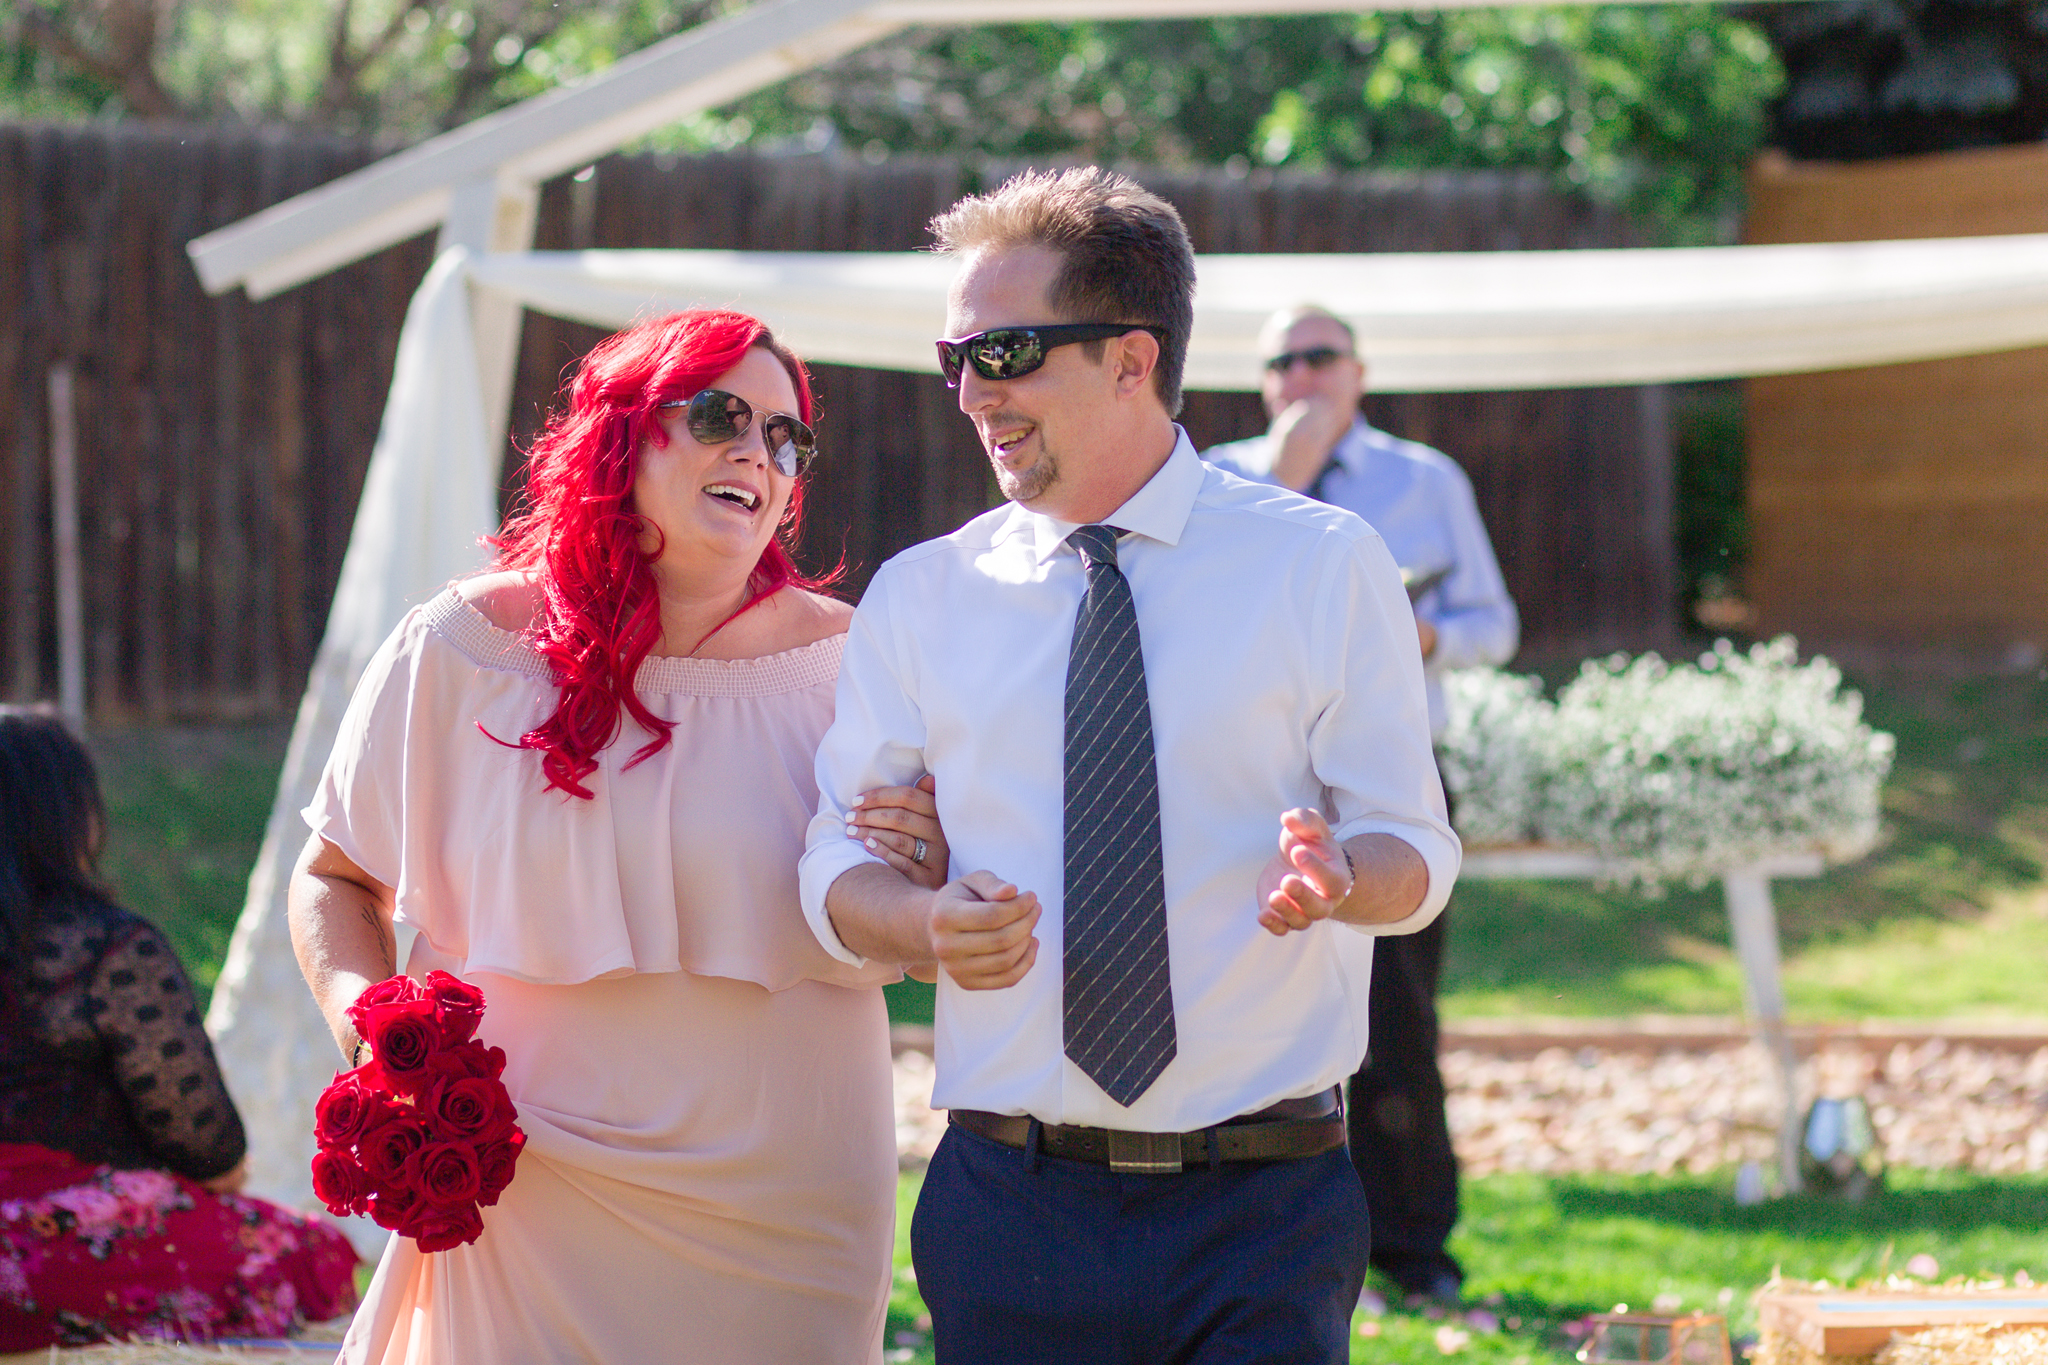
(1464, 321)
(1444, 321)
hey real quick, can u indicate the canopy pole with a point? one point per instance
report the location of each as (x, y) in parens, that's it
(493, 214)
(64, 534)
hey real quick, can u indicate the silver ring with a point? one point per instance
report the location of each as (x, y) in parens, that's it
(918, 856)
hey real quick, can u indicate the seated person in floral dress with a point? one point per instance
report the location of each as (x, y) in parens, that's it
(120, 1151)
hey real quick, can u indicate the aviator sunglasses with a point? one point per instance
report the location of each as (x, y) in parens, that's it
(1315, 357)
(1013, 352)
(714, 417)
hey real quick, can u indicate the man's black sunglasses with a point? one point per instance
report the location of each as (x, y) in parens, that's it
(714, 417)
(1013, 352)
(1315, 357)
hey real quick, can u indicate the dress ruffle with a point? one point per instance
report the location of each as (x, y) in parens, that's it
(426, 793)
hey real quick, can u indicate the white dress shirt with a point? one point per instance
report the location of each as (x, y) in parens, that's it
(1282, 671)
(1421, 503)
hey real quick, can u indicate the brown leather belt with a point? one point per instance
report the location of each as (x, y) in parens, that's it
(1286, 1131)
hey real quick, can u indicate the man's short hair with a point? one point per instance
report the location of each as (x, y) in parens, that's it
(1127, 255)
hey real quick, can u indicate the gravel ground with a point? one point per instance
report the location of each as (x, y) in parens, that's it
(1937, 1105)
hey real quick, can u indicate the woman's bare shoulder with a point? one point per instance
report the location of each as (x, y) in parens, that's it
(829, 615)
(509, 598)
(789, 620)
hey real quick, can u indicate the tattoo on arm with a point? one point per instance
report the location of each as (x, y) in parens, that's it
(387, 939)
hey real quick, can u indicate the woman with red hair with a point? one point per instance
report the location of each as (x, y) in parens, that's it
(584, 777)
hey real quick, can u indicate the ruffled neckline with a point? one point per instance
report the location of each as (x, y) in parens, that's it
(471, 634)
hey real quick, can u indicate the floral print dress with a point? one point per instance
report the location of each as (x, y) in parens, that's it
(112, 1111)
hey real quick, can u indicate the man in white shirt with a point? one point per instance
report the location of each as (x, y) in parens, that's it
(1179, 732)
(1421, 504)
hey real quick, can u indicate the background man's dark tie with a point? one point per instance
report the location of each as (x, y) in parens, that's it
(1118, 1020)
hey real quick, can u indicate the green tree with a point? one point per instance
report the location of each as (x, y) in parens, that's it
(1657, 106)
(389, 68)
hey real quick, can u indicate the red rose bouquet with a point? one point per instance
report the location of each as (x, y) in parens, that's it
(423, 1133)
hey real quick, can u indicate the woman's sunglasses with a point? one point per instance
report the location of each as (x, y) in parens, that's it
(1013, 352)
(714, 417)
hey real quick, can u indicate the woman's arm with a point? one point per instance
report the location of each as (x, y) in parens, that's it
(341, 919)
(896, 823)
(147, 1018)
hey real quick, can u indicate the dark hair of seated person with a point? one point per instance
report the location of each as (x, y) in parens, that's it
(102, 1054)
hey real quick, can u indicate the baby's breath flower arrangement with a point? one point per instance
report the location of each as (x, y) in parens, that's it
(1669, 771)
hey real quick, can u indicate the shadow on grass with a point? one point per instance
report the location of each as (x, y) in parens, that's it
(1954, 1206)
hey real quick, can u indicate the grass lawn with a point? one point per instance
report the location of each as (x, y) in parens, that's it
(1546, 1251)
(185, 814)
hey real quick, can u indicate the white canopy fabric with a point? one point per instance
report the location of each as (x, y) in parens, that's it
(1449, 321)
(1457, 321)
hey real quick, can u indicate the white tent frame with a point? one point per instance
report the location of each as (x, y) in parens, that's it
(480, 185)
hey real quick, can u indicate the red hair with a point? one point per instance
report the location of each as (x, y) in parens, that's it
(579, 537)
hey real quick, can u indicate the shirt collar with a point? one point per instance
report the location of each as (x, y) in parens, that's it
(1159, 510)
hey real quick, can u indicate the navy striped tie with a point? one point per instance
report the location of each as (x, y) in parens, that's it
(1118, 1020)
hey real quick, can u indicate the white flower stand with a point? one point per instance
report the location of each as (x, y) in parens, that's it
(1753, 925)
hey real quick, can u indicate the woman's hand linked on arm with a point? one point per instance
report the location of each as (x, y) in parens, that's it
(900, 825)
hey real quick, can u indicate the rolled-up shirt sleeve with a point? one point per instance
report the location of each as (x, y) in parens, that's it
(877, 739)
(1370, 745)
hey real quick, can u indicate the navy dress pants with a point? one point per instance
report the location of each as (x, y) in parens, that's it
(1032, 1258)
(1400, 1140)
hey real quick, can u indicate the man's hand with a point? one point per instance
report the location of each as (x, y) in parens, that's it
(1426, 633)
(977, 929)
(981, 931)
(1307, 879)
(1304, 435)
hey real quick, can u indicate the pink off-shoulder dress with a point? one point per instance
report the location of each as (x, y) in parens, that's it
(710, 1166)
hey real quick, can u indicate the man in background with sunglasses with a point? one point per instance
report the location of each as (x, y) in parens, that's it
(1180, 741)
(1421, 503)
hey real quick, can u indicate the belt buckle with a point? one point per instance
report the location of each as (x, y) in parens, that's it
(1144, 1153)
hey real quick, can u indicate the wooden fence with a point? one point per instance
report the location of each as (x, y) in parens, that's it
(221, 443)
(1902, 510)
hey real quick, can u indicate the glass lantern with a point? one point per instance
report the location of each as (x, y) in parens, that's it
(1653, 1339)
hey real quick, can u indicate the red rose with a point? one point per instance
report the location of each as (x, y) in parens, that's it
(404, 1037)
(458, 1005)
(341, 1183)
(448, 1174)
(439, 1229)
(393, 991)
(494, 1167)
(471, 1109)
(468, 1059)
(349, 1107)
(386, 1149)
(396, 1206)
